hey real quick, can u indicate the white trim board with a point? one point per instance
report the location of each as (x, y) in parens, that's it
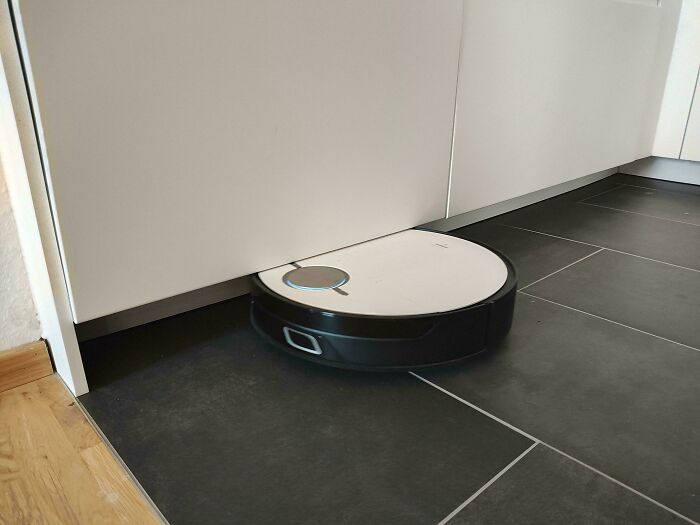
(480, 214)
(25, 183)
(685, 171)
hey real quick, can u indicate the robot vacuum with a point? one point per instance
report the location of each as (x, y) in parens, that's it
(409, 300)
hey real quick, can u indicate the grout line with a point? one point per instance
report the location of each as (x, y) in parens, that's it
(652, 188)
(564, 268)
(604, 247)
(617, 187)
(121, 462)
(553, 448)
(487, 485)
(662, 190)
(551, 235)
(621, 484)
(642, 214)
(480, 410)
(611, 321)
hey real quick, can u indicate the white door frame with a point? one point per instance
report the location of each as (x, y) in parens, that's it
(24, 175)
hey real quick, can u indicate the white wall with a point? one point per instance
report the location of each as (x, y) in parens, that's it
(19, 323)
(552, 90)
(193, 142)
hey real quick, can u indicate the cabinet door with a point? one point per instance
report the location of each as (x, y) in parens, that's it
(680, 83)
(553, 90)
(691, 141)
(189, 143)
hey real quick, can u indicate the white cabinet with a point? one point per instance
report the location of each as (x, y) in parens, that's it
(553, 90)
(680, 84)
(691, 142)
(188, 143)
(678, 130)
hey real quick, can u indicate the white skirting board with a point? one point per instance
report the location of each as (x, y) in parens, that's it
(686, 171)
(470, 217)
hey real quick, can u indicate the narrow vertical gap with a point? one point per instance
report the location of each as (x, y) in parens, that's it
(42, 160)
(454, 117)
(20, 54)
(690, 112)
(452, 153)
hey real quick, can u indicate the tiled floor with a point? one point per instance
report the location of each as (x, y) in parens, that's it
(589, 412)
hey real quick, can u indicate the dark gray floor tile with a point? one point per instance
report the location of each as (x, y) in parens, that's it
(546, 488)
(657, 298)
(619, 400)
(654, 238)
(668, 205)
(646, 182)
(220, 427)
(533, 255)
(587, 191)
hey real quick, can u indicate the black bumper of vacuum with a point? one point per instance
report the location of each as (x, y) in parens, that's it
(383, 343)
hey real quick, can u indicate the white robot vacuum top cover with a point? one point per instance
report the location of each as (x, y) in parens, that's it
(413, 272)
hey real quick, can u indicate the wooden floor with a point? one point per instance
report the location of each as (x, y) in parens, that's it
(54, 467)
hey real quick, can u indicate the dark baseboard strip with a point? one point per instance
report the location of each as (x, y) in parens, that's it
(162, 309)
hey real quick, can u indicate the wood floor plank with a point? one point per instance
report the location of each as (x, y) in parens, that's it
(24, 364)
(21, 504)
(50, 464)
(116, 487)
(54, 468)
(66, 411)
(35, 489)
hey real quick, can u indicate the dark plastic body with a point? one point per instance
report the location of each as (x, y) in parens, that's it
(379, 342)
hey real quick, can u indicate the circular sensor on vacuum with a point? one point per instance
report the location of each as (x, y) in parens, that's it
(315, 278)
